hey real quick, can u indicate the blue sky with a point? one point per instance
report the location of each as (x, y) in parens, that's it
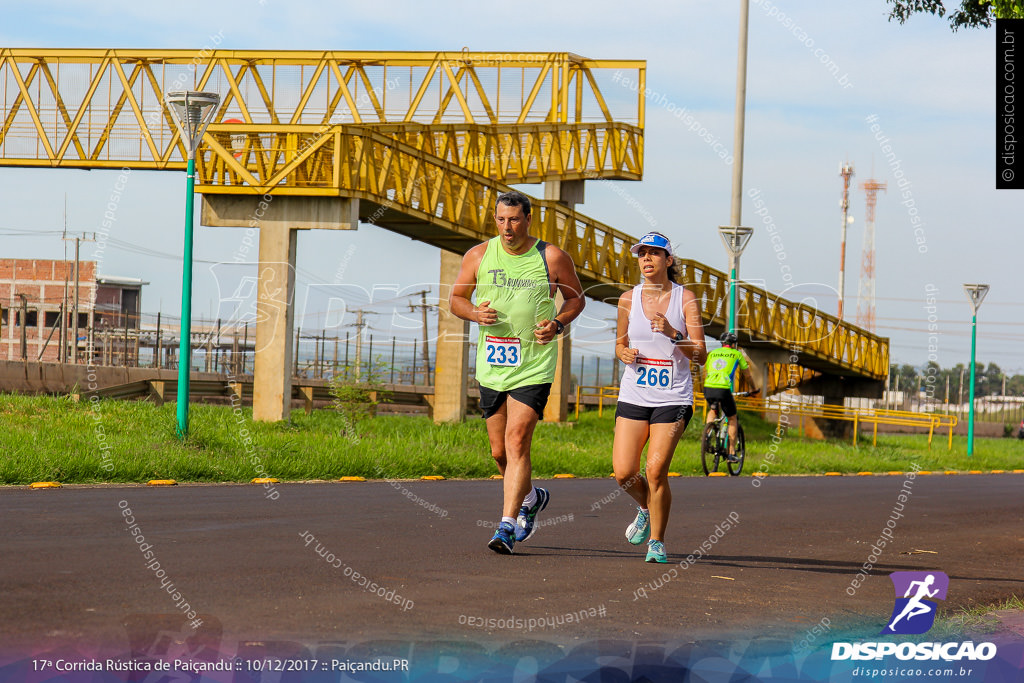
(931, 91)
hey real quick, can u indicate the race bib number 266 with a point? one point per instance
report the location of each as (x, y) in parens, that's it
(654, 373)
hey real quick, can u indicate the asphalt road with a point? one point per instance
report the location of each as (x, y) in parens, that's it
(73, 575)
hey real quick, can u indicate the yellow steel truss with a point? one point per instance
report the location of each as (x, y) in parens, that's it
(457, 203)
(300, 156)
(428, 136)
(104, 108)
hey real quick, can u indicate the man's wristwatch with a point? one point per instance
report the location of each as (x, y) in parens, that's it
(559, 326)
(678, 338)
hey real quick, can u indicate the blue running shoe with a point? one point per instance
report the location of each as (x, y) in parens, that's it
(528, 515)
(639, 529)
(656, 552)
(504, 539)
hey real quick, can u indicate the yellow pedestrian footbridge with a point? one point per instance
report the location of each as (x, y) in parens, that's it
(424, 142)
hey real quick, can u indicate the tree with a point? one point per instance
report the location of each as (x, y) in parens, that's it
(970, 14)
(904, 376)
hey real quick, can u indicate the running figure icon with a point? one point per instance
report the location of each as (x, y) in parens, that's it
(919, 591)
(915, 606)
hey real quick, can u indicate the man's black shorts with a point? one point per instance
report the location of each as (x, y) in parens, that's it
(723, 396)
(660, 415)
(533, 395)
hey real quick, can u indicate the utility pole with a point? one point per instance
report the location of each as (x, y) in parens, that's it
(960, 395)
(74, 312)
(359, 325)
(24, 326)
(62, 353)
(426, 345)
(845, 172)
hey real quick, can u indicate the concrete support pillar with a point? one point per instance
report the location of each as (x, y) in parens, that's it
(822, 428)
(569, 193)
(451, 375)
(557, 409)
(759, 360)
(277, 218)
(276, 316)
(835, 389)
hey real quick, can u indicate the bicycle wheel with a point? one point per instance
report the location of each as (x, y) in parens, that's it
(709, 448)
(741, 451)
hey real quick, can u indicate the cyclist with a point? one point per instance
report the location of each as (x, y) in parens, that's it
(659, 332)
(721, 367)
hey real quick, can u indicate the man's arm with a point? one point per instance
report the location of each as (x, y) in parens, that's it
(622, 350)
(459, 301)
(563, 275)
(749, 376)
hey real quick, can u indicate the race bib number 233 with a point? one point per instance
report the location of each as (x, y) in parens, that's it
(503, 351)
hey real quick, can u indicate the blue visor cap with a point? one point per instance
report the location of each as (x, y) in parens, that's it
(652, 239)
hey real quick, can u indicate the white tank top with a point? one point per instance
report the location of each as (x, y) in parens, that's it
(661, 374)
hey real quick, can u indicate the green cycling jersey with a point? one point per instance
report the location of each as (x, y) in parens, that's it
(721, 367)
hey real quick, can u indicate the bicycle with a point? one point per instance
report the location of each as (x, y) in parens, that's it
(714, 442)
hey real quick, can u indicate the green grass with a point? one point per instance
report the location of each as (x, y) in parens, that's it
(965, 621)
(56, 439)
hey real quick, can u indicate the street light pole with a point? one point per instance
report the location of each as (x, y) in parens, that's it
(733, 236)
(738, 124)
(192, 112)
(735, 239)
(975, 294)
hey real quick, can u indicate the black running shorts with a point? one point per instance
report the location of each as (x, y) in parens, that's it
(723, 396)
(533, 395)
(661, 415)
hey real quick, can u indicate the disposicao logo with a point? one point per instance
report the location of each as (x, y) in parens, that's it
(914, 612)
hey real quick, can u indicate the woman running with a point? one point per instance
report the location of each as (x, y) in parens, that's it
(659, 332)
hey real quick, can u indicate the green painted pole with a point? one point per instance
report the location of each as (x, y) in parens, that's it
(732, 299)
(970, 414)
(185, 347)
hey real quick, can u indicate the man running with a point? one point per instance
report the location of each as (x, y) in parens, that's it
(514, 277)
(721, 367)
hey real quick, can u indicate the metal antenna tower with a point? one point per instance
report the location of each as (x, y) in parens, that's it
(866, 290)
(845, 172)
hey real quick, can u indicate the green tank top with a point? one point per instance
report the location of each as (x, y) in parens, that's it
(519, 289)
(721, 365)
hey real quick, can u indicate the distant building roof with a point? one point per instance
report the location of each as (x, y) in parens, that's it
(123, 281)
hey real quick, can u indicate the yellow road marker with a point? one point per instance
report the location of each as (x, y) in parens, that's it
(45, 485)
(161, 482)
(432, 477)
(264, 480)
(565, 475)
(352, 479)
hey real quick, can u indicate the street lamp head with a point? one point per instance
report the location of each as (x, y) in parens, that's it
(976, 294)
(192, 112)
(735, 238)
